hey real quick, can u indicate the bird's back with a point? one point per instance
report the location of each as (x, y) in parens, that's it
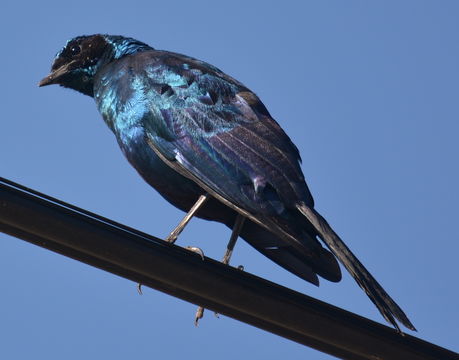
(197, 116)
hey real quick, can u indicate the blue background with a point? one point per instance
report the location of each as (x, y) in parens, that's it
(367, 90)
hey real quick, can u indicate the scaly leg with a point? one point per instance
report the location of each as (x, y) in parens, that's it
(226, 258)
(179, 228)
(176, 232)
(234, 235)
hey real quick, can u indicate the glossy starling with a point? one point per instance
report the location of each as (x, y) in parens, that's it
(207, 143)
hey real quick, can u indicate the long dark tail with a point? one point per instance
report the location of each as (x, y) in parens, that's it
(386, 306)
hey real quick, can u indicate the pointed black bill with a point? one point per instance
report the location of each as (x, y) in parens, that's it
(56, 75)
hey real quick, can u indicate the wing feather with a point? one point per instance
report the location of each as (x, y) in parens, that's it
(225, 140)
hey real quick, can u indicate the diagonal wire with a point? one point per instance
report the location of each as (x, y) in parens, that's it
(127, 252)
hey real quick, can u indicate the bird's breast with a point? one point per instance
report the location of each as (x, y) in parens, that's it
(122, 106)
(175, 188)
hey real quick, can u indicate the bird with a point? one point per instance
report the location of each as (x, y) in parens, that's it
(210, 147)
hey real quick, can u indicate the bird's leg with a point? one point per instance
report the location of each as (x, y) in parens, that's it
(179, 228)
(234, 235)
(240, 219)
(139, 288)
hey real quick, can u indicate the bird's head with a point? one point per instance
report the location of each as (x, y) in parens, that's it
(78, 62)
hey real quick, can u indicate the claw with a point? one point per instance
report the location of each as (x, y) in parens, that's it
(171, 238)
(196, 250)
(227, 257)
(199, 315)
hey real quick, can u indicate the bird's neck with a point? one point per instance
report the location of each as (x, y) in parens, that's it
(122, 46)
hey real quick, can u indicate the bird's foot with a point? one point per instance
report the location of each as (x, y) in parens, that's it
(199, 315)
(200, 312)
(179, 228)
(196, 250)
(227, 257)
(172, 238)
(139, 289)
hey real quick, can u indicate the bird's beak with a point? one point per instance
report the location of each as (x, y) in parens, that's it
(56, 75)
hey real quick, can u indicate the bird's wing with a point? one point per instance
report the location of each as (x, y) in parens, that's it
(221, 136)
(212, 129)
(221, 132)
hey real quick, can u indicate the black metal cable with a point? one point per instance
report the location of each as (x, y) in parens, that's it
(121, 250)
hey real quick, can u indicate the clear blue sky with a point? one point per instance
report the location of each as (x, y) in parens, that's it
(367, 90)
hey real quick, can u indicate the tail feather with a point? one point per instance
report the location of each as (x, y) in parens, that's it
(386, 306)
(318, 262)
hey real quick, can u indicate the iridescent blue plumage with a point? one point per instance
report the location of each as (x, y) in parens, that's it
(203, 120)
(189, 129)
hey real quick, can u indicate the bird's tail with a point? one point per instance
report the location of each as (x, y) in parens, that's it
(386, 306)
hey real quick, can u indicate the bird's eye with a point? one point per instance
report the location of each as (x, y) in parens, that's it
(75, 50)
